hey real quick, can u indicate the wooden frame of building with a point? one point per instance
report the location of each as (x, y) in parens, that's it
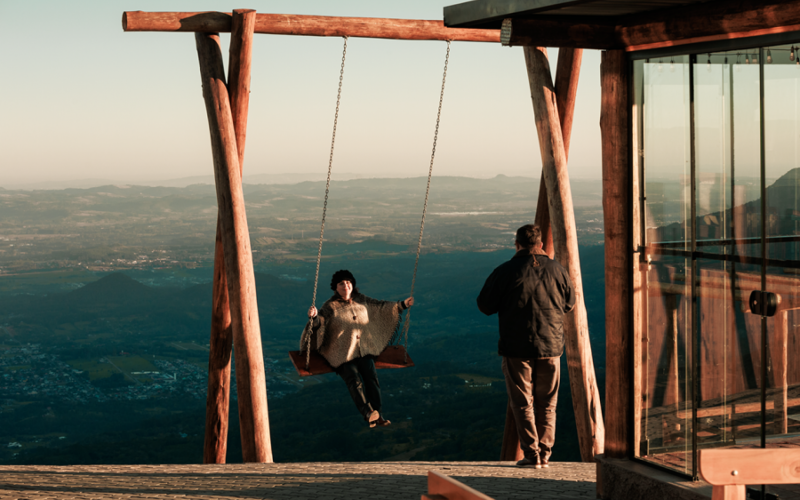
(630, 31)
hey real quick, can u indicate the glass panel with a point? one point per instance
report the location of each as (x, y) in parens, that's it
(746, 159)
(667, 151)
(782, 166)
(727, 146)
(666, 378)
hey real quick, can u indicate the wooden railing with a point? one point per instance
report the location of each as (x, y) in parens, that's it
(728, 471)
(441, 487)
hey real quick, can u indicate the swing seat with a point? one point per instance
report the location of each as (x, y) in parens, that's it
(394, 356)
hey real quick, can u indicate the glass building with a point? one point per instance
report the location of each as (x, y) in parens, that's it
(717, 151)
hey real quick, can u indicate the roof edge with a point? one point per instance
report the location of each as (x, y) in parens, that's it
(481, 12)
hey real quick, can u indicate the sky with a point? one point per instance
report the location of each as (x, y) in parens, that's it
(85, 101)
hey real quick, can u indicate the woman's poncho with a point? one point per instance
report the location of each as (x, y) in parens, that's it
(346, 330)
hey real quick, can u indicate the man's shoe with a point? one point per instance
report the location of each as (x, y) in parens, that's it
(373, 418)
(531, 463)
(383, 423)
(544, 463)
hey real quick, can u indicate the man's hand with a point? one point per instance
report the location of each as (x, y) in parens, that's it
(312, 312)
(409, 302)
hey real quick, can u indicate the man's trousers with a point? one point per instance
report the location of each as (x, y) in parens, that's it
(532, 386)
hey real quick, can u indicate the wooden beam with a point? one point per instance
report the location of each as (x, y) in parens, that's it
(583, 384)
(219, 359)
(709, 22)
(289, 24)
(441, 487)
(614, 126)
(568, 71)
(240, 276)
(720, 466)
(547, 32)
(702, 22)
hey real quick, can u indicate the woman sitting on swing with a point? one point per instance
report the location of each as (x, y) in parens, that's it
(350, 330)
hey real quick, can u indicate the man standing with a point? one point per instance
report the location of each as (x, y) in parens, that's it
(530, 294)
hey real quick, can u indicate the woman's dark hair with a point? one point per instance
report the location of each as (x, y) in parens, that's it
(529, 236)
(343, 275)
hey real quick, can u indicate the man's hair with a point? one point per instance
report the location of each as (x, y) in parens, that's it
(529, 236)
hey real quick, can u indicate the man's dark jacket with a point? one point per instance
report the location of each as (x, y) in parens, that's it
(530, 294)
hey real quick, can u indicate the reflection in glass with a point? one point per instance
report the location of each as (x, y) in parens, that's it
(698, 283)
(782, 170)
(666, 149)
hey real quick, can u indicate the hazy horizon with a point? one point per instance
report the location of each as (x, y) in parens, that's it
(99, 103)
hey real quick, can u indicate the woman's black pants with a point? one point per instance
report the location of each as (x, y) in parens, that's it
(362, 382)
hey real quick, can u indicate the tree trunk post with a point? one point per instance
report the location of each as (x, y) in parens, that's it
(239, 64)
(239, 273)
(215, 445)
(617, 222)
(583, 385)
(568, 71)
(219, 359)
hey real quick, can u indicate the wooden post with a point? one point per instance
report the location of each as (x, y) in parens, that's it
(239, 63)
(779, 354)
(510, 449)
(614, 125)
(641, 269)
(568, 71)
(673, 375)
(215, 445)
(219, 359)
(585, 394)
(252, 390)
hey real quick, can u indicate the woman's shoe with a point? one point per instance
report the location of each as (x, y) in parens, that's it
(373, 417)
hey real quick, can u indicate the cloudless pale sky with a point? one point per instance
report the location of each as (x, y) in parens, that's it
(82, 99)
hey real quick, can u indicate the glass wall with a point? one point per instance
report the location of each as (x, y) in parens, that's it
(719, 144)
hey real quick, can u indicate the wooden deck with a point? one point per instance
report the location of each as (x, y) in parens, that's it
(298, 481)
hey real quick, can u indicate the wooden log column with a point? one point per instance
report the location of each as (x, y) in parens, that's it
(583, 384)
(239, 273)
(568, 71)
(614, 128)
(219, 359)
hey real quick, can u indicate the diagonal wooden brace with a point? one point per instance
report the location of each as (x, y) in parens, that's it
(583, 383)
(567, 74)
(239, 272)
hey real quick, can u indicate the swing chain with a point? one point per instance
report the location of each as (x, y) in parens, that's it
(427, 192)
(325, 204)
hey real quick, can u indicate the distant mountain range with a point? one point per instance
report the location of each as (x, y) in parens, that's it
(284, 178)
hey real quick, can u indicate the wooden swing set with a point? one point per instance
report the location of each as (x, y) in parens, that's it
(235, 322)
